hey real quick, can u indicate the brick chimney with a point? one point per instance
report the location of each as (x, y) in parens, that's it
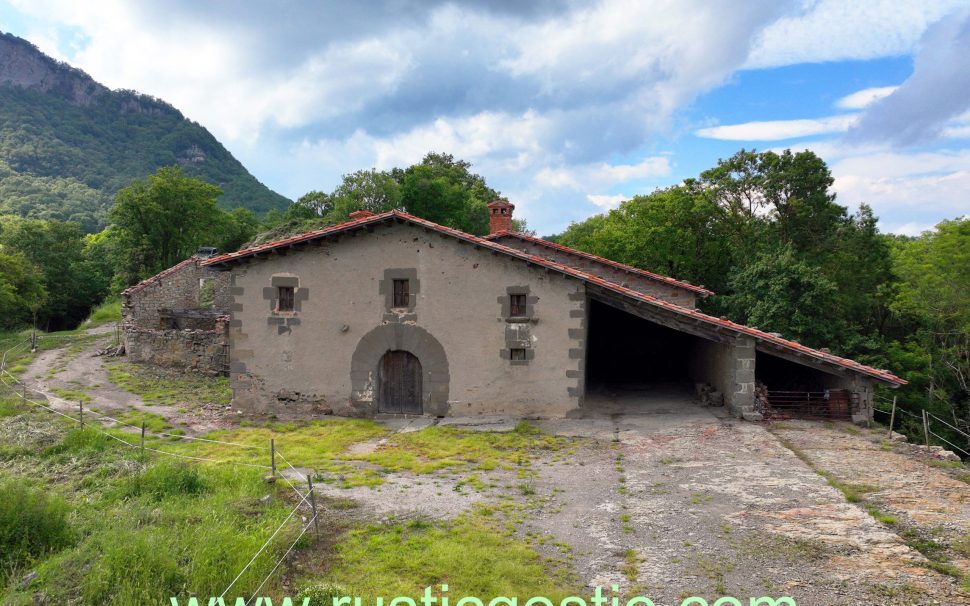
(500, 216)
(360, 214)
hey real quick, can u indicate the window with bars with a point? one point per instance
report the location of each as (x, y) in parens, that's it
(284, 301)
(517, 353)
(402, 296)
(517, 306)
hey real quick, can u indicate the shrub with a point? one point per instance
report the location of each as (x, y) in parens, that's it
(320, 594)
(32, 523)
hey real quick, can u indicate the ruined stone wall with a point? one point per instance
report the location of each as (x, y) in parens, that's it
(177, 288)
(199, 343)
(323, 356)
(633, 281)
(201, 351)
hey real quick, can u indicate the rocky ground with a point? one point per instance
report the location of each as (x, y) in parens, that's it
(670, 499)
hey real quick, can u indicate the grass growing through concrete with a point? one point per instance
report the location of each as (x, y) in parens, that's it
(324, 446)
(436, 448)
(166, 391)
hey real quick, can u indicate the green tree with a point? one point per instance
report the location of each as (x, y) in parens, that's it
(162, 220)
(21, 290)
(934, 291)
(444, 190)
(56, 248)
(372, 190)
(778, 292)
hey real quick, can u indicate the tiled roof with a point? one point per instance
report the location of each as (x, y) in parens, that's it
(158, 277)
(740, 329)
(700, 290)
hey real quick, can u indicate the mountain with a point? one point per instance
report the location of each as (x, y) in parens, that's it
(68, 143)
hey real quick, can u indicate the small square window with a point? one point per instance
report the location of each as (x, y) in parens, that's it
(402, 296)
(517, 306)
(284, 298)
(517, 353)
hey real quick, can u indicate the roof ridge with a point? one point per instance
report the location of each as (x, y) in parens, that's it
(623, 266)
(883, 375)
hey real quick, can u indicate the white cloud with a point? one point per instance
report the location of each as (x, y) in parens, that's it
(600, 175)
(834, 30)
(865, 97)
(607, 202)
(936, 92)
(776, 130)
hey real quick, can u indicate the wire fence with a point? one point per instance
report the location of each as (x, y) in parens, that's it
(12, 382)
(923, 421)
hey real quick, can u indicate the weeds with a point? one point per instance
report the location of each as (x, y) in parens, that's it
(33, 523)
(165, 391)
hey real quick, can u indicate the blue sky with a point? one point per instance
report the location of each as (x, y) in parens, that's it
(566, 107)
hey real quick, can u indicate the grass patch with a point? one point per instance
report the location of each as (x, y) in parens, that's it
(472, 554)
(80, 441)
(108, 311)
(145, 532)
(10, 405)
(71, 395)
(946, 464)
(153, 422)
(323, 446)
(436, 448)
(33, 523)
(879, 516)
(166, 391)
(630, 565)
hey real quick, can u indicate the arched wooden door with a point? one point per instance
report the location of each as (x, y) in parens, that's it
(399, 377)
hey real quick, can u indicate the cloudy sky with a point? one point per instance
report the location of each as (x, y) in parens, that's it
(566, 107)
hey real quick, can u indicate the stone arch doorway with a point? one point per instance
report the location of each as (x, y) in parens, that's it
(365, 368)
(399, 383)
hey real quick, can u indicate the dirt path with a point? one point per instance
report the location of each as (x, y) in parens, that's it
(76, 367)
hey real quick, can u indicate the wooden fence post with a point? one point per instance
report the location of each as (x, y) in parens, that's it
(143, 440)
(926, 428)
(272, 456)
(80, 412)
(313, 503)
(892, 418)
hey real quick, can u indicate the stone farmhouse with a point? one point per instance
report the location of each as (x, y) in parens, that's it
(390, 313)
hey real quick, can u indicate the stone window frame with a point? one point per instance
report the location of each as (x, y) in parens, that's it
(386, 288)
(285, 320)
(514, 329)
(530, 304)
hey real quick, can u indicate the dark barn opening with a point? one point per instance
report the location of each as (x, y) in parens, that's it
(790, 390)
(624, 349)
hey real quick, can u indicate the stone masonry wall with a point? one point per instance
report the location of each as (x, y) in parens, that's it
(201, 351)
(202, 345)
(178, 287)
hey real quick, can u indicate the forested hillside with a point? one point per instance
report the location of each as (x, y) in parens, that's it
(68, 144)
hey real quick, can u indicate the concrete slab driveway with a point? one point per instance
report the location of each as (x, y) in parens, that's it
(675, 499)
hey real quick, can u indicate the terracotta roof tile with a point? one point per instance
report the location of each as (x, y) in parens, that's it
(602, 260)
(158, 277)
(759, 335)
